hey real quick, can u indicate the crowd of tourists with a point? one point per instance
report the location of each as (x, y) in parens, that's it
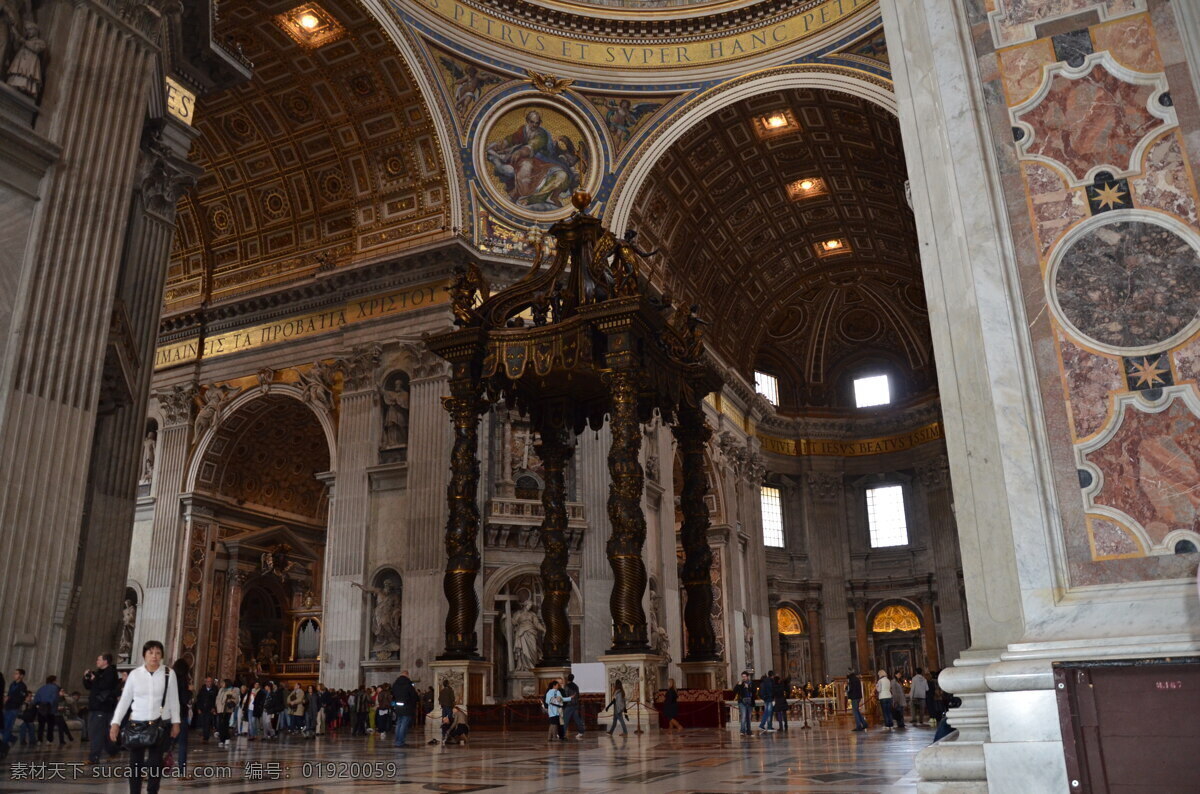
(152, 710)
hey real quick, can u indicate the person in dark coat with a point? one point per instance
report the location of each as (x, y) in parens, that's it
(102, 685)
(205, 709)
(671, 706)
(766, 691)
(781, 704)
(404, 705)
(854, 693)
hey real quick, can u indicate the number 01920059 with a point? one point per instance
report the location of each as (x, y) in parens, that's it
(349, 770)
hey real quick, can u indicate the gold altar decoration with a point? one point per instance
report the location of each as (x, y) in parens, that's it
(895, 618)
(789, 622)
(598, 343)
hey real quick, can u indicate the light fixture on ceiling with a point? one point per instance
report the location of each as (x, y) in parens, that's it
(832, 246)
(806, 188)
(776, 122)
(310, 26)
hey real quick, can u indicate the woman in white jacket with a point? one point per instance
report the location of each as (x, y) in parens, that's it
(147, 697)
(883, 690)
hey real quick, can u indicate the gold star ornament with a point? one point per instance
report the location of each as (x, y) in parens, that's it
(1109, 196)
(1147, 372)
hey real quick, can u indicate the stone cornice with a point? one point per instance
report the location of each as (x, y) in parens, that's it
(851, 425)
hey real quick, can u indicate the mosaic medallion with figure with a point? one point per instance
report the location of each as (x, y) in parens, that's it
(534, 157)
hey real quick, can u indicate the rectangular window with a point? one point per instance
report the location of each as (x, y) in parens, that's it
(872, 391)
(772, 516)
(885, 513)
(767, 386)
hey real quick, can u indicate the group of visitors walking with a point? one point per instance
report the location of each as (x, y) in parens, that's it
(927, 701)
(773, 691)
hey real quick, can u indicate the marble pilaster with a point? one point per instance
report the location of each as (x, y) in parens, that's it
(429, 441)
(344, 641)
(92, 107)
(591, 459)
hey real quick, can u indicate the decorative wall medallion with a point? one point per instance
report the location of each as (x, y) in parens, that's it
(1015, 21)
(1127, 282)
(1146, 465)
(532, 156)
(1107, 194)
(1147, 373)
(1097, 117)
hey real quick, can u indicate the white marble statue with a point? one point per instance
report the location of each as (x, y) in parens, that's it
(526, 636)
(660, 640)
(385, 617)
(128, 621)
(748, 640)
(148, 446)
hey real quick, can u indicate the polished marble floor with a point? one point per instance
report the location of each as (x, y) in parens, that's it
(700, 761)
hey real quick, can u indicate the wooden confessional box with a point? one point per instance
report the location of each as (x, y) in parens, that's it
(1130, 726)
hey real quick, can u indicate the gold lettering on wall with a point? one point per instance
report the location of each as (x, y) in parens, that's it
(287, 329)
(853, 447)
(650, 54)
(181, 103)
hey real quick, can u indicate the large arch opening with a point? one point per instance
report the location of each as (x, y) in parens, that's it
(258, 482)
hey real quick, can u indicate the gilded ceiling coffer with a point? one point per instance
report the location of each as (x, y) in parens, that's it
(568, 345)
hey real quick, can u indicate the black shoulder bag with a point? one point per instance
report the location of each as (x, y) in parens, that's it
(140, 734)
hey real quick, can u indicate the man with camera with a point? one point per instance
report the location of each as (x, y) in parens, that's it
(102, 685)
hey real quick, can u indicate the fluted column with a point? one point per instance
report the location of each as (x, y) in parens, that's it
(51, 369)
(628, 522)
(116, 454)
(166, 532)
(693, 433)
(344, 607)
(429, 440)
(462, 525)
(597, 575)
(553, 450)
(829, 558)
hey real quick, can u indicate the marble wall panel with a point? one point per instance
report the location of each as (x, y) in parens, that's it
(1091, 378)
(1123, 287)
(1055, 206)
(1150, 468)
(1165, 183)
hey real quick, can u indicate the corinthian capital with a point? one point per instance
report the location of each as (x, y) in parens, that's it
(824, 485)
(177, 403)
(359, 368)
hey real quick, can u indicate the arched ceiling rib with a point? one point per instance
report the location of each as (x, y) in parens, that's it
(328, 156)
(732, 238)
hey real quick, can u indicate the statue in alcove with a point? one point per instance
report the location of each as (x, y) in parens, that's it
(148, 447)
(128, 622)
(395, 410)
(385, 616)
(527, 631)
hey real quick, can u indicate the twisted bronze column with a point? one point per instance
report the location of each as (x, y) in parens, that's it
(553, 450)
(462, 525)
(692, 433)
(625, 513)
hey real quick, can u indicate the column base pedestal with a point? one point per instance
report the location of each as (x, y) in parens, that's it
(470, 678)
(542, 676)
(639, 675)
(701, 675)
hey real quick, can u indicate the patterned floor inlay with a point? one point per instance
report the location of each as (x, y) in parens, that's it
(830, 760)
